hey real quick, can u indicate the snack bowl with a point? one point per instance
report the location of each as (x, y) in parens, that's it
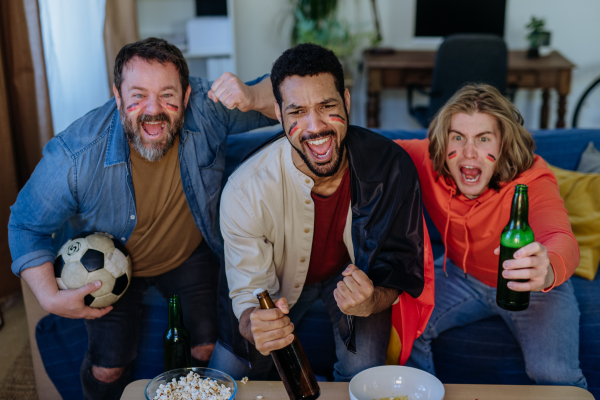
(166, 377)
(394, 380)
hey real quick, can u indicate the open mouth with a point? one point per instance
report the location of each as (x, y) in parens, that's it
(470, 175)
(320, 149)
(153, 129)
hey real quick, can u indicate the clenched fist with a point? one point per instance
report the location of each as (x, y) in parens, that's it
(354, 294)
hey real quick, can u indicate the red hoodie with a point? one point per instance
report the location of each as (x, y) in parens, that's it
(471, 228)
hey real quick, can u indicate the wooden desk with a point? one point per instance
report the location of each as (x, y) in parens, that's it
(402, 68)
(339, 391)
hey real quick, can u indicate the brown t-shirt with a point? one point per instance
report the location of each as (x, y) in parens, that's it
(165, 234)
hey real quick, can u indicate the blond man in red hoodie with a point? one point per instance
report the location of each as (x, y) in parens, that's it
(476, 152)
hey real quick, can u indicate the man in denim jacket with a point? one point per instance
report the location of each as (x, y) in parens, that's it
(145, 168)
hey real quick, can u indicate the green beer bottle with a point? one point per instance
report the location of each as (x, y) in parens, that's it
(176, 340)
(515, 235)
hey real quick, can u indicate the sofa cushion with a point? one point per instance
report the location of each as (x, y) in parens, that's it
(590, 160)
(581, 193)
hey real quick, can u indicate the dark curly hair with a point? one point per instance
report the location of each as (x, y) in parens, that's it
(152, 49)
(306, 59)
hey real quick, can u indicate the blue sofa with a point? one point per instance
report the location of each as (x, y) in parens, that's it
(483, 352)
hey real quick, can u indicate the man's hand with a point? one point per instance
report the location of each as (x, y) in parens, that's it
(268, 329)
(66, 303)
(233, 93)
(356, 294)
(530, 262)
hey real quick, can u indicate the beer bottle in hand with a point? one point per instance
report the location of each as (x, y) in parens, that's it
(176, 340)
(515, 235)
(291, 362)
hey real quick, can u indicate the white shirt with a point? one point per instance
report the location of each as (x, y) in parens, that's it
(267, 222)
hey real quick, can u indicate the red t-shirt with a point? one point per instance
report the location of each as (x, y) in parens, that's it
(329, 253)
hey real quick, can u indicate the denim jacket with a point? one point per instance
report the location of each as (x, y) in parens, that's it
(83, 182)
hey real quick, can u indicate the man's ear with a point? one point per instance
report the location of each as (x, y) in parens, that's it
(278, 112)
(347, 101)
(186, 98)
(117, 97)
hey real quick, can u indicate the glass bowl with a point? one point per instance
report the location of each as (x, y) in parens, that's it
(221, 378)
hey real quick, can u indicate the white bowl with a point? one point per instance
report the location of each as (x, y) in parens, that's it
(393, 380)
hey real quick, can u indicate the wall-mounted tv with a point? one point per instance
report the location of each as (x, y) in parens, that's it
(436, 18)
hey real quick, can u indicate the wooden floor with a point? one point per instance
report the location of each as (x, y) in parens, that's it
(14, 336)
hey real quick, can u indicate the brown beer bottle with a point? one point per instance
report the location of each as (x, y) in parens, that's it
(292, 365)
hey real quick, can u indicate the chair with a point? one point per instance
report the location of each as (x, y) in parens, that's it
(461, 59)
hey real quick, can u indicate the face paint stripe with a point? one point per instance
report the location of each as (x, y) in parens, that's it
(294, 128)
(491, 158)
(337, 118)
(452, 154)
(133, 107)
(172, 107)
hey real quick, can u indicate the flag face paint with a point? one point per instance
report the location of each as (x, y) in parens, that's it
(491, 158)
(294, 129)
(452, 154)
(133, 107)
(171, 107)
(337, 119)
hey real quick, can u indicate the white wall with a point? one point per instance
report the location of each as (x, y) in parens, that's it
(164, 18)
(262, 34)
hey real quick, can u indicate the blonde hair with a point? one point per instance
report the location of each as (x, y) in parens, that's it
(516, 143)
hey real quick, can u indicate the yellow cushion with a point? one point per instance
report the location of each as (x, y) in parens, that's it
(393, 353)
(581, 193)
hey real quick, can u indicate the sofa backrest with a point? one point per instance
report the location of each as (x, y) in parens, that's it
(559, 147)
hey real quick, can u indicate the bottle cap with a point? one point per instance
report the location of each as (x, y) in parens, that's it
(258, 291)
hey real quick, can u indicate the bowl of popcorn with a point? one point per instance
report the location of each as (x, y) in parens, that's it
(191, 383)
(397, 383)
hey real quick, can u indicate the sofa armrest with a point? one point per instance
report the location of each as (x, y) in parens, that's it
(45, 388)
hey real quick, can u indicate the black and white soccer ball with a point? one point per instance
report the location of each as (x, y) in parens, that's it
(90, 257)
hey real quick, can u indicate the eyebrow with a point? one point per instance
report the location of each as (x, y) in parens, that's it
(478, 135)
(169, 87)
(294, 106)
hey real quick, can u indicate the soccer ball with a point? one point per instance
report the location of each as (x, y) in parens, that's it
(94, 256)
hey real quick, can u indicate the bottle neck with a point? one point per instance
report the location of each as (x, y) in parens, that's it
(265, 301)
(175, 314)
(519, 212)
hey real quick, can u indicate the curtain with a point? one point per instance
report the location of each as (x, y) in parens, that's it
(74, 55)
(120, 28)
(25, 119)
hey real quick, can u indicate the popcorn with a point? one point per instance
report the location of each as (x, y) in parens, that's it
(244, 380)
(193, 387)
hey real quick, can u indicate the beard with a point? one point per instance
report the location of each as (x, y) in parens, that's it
(330, 167)
(150, 150)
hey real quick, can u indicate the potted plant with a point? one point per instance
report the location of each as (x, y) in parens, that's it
(537, 36)
(316, 21)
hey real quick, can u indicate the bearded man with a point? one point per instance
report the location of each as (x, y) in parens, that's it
(325, 211)
(146, 168)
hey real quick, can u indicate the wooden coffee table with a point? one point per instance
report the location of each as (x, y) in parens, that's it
(339, 391)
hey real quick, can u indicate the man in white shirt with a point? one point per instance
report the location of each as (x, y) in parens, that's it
(324, 211)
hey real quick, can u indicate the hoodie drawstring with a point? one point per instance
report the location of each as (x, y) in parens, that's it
(464, 263)
(467, 238)
(446, 230)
